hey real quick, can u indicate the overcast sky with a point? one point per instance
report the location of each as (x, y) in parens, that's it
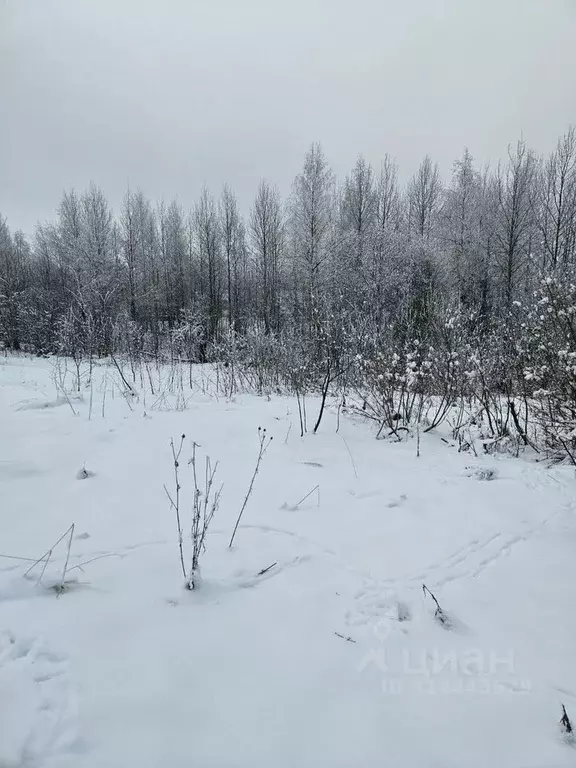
(168, 95)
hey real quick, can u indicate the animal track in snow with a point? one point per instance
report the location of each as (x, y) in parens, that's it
(378, 599)
(252, 580)
(37, 711)
(397, 502)
(292, 535)
(464, 563)
(375, 603)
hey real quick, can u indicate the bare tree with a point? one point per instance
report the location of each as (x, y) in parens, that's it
(14, 260)
(359, 207)
(130, 248)
(97, 280)
(424, 197)
(230, 226)
(387, 195)
(460, 224)
(515, 220)
(209, 240)
(556, 202)
(267, 238)
(310, 227)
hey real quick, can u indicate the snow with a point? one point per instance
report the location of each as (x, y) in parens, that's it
(333, 656)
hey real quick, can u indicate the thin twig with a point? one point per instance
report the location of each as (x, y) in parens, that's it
(39, 579)
(93, 559)
(263, 448)
(316, 488)
(175, 504)
(351, 457)
(425, 589)
(565, 721)
(24, 559)
(48, 552)
(71, 529)
(37, 562)
(348, 639)
(126, 382)
(265, 570)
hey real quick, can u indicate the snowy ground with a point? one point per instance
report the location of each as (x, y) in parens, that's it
(126, 668)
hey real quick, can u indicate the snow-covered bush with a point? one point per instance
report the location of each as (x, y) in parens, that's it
(547, 352)
(204, 504)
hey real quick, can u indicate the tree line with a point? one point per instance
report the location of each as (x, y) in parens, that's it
(343, 273)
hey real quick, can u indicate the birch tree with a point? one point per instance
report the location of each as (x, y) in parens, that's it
(311, 230)
(267, 239)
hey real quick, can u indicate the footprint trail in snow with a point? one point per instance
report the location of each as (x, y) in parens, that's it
(37, 717)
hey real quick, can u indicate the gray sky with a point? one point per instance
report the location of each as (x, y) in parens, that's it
(169, 95)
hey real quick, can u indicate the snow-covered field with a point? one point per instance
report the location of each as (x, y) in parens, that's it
(334, 657)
